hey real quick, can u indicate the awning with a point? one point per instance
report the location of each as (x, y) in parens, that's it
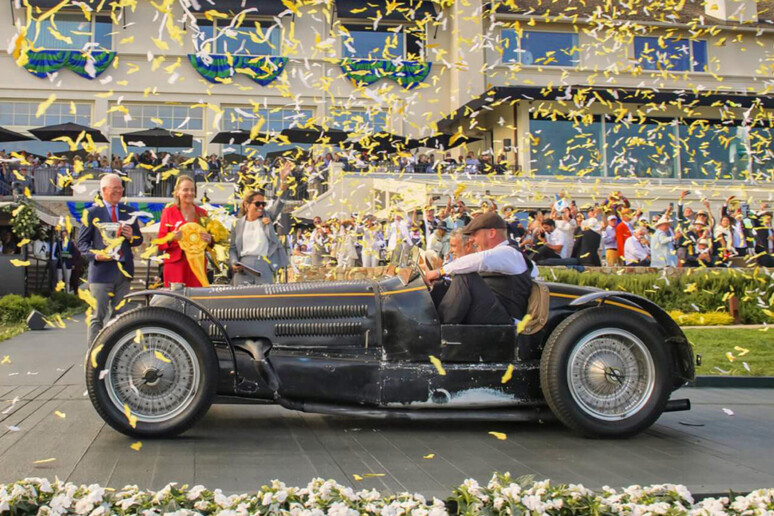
(406, 10)
(263, 7)
(506, 94)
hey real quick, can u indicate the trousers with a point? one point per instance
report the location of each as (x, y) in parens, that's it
(467, 299)
(108, 296)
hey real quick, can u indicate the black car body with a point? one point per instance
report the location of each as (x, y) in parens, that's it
(377, 348)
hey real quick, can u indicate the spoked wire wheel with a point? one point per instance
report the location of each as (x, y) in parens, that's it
(153, 372)
(611, 374)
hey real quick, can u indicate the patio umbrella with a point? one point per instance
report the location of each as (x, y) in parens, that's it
(234, 157)
(159, 137)
(51, 132)
(294, 154)
(384, 143)
(315, 134)
(6, 135)
(443, 141)
(239, 137)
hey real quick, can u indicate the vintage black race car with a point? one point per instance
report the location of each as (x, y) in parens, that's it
(605, 363)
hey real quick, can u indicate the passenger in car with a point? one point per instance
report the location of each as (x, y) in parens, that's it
(498, 268)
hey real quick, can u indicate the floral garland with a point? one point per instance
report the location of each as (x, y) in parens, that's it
(220, 68)
(409, 74)
(41, 63)
(502, 496)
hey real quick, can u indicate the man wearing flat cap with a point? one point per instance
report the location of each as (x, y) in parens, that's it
(498, 268)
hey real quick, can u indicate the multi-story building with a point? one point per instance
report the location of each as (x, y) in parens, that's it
(577, 96)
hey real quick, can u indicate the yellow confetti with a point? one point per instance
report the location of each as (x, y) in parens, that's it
(742, 351)
(438, 365)
(43, 106)
(129, 416)
(730, 356)
(94, 354)
(6, 360)
(523, 323)
(60, 414)
(500, 436)
(508, 374)
(136, 446)
(429, 456)
(44, 461)
(159, 355)
(20, 263)
(357, 477)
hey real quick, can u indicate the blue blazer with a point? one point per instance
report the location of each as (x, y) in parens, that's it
(90, 238)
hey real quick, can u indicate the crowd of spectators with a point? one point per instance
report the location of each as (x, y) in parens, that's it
(612, 233)
(18, 171)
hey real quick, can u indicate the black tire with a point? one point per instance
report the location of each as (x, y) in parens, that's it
(579, 403)
(193, 350)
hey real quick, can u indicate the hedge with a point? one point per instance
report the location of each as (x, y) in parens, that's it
(15, 308)
(501, 496)
(698, 291)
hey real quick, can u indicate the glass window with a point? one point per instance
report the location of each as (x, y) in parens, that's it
(566, 147)
(74, 32)
(244, 40)
(677, 55)
(540, 48)
(367, 44)
(148, 116)
(23, 114)
(641, 150)
(712, 151)
(246, 117)
(761, 142)
(359, 121)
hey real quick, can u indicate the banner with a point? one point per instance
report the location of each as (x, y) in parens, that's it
(409, 74)
(218, 68)
(44, 62)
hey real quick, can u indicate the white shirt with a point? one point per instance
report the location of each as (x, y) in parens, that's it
(634, 251)
(556, 237)
(567, 228)
(501, 259)
(254, 240)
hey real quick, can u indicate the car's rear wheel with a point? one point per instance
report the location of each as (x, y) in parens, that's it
(604, 373)
(152, 373)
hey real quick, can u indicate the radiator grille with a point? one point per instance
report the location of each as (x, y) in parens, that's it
(318, 329)
(267, 313)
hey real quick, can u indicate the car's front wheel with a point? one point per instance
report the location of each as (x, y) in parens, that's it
(152, 373)
(604, 373)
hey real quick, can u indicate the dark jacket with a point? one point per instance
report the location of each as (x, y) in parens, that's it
(91, 239)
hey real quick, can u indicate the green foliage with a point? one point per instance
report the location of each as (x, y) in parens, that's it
(15, 309)
(693, 291)
(25, 222)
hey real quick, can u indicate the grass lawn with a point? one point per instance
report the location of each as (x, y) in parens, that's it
(713, 344)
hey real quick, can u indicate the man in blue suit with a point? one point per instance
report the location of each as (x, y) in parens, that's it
(107, 281)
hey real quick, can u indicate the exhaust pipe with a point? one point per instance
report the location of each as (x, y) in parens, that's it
(677, 405)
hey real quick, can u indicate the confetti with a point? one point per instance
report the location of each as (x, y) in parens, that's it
(59, 414)
(438, 365)
(429, 456)
(136, 446)
(500, 436)
(508, 374)
(728, 412)
(44, 461)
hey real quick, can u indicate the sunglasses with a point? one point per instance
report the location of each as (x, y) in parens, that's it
(259, 204)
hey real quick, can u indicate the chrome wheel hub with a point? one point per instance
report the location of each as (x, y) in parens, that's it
(611, 374)
(154, 373)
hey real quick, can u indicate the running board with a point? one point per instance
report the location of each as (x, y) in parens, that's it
(677, 405)
(522, 415)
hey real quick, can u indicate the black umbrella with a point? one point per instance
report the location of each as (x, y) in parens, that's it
(6, 135)
(240, 137)
(383, 143)
(294, 154)
(159, 137)
(234, 157)
(51, 132)
(443, 141)
(315, 134)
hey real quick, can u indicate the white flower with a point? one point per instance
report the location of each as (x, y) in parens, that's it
(533, 503)
(438, 511)
(266, 500)
(195, 492)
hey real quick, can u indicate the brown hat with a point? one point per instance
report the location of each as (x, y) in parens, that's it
(488, 220)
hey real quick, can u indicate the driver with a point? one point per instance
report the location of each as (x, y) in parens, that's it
(498, 268)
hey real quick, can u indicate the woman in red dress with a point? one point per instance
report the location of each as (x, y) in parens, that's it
(176, 267)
